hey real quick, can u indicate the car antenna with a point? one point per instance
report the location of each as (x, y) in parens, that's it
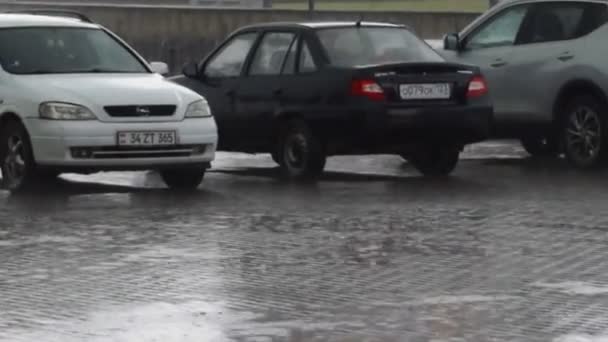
(362, 15)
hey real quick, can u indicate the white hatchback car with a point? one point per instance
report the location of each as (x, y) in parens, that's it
(76, 98)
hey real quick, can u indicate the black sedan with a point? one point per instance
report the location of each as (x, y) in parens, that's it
(303, 92)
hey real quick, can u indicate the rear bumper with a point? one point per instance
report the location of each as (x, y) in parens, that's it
(465, 125)
(390, 130)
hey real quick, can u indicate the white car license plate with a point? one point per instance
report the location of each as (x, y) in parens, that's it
(144, 139)
(425, 91)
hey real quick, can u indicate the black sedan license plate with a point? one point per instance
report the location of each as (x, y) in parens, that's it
(146, 139)
(428, 91)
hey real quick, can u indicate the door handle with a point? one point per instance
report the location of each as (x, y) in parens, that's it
(498, 63)
(566, 56)
(277, 92)
(230, 92)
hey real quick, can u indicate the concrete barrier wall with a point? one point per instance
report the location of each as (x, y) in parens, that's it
(179, 34)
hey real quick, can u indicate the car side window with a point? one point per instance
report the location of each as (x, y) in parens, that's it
(269, 57)
(307, 62)
(501, 30)
(595, 16)
(229, 61)
(555, 21)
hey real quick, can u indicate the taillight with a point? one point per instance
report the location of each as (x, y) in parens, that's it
(367, 88)
(477, 87)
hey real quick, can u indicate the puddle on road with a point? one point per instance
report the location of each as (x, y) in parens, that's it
(443, 300)
(192, 321)
(574, 288)
(581, 338)
(42, 239)
(165, 254)
(126, 179)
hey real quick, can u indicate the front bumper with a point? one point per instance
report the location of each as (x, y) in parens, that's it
(93, 144)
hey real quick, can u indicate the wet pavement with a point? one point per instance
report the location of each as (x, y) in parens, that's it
(508, 249)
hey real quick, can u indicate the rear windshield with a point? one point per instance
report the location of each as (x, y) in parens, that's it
(50, 50)
(356, 46)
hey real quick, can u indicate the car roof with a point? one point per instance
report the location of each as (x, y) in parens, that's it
(506, 3)
(320, 25)
(511, 2)
(9, 20)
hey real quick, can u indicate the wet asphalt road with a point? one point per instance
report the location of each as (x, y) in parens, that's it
(508, 249)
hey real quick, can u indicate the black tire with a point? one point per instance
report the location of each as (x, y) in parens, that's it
(540, 146)
(301, 153)
(584, 132)
(436, 161)
(17, 162)
(183, 179)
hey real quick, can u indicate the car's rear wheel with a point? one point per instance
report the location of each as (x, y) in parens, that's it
(300, 152)
(584, 132)
(540, 146)
(184, 178)
(16, 157)
(436, 160)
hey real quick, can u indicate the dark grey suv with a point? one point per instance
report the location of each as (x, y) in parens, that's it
(546, 67)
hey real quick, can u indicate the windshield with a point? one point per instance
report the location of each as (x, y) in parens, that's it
(47, 50)
(352, 46)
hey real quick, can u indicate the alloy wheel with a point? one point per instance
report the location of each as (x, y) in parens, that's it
(14, 162)
(583, 134)
(296, 151)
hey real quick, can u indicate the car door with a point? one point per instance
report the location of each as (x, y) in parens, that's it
(490, 46)
(220, 76)
(546, 49)
(302, 88)
(256, 93)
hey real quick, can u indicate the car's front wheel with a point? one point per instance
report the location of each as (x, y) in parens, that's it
(584, 132)
(16, 158)
(435, 161)
(183, 179)
(300, 152)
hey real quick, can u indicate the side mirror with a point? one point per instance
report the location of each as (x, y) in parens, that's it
(452, 42)
(190, 70)
(159, 68)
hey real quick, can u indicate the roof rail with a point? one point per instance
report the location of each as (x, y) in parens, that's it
(57, 13)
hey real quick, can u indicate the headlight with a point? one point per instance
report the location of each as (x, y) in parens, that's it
(198, 109)
(65, 111)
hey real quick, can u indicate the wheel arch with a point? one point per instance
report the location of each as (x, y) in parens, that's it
(282, 118)
(7, 117)
(289, 115)
(575, 88)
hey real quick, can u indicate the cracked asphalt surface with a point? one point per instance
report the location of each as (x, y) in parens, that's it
(507, 249)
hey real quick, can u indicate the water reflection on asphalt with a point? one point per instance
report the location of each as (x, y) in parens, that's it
(507, 249)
